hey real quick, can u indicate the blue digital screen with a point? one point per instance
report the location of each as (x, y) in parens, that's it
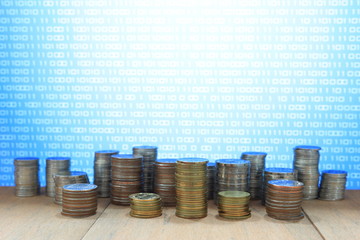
(203, 78)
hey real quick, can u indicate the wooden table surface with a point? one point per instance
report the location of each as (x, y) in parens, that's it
(39, 218)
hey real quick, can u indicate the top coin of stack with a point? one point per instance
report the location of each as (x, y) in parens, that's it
(211, 180)
(231, 174)
(55, 165)
(145, 205)
(257, 164)
(165, 180)
(332, 185)
(149, 155)
(26, 176)
(102, 171)
(306, 161)
(234, 204)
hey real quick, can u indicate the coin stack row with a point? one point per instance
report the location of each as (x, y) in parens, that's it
(145, 205)
(27, 176)
(234, 205)
(165, 181)
(55, 165)
(67, 179)
(102, 171)
(149, 155)
(211, 170)
(332, 185)
(125, 177)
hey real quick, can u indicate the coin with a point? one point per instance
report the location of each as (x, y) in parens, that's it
(55, 165)
(234, 204)
(149, 155)
(145, 205)
(26, 175)
(332, 186)
(102, 171)
(164, 182)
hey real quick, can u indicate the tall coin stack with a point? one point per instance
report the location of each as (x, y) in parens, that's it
(306, 161)
(125, 177)
(211, 180)
(231, 175)
(234, 205)
(276, 173)
(79, 200)
(102, 171)
(149, 154)
(27, 176)
(332, 185)
(145, 205)
(191, 188)
(67, 179)
(165, 184)
(257, 165)
(55, 165)
(283, 199)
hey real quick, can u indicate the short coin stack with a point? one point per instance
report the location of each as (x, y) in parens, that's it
(125, 177)
(79, 200)
(211, 180)
(283, 199)
(332, 185)
(231, 175)
(55, 165)
(191, 188)
(165, 184)
(102, 171)
(234, 204)
(26, 176)
(306, 161)
(149, 154)
(145, 205)
(257, 164)
(277, 173)
(66, 179)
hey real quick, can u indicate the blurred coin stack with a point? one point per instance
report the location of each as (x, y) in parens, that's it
(211, 180)
(102, 171)
(231, 175)
(66, 179)
(306, 161)
(191, 188)
(165, 184)
(125, 177)
(234, 204)
(332, 185)
(257, 165)
(145, 205)
(283, 199)
(149, 155)
(27, 176)
(55, 165)
(79, 200)
(276, 173)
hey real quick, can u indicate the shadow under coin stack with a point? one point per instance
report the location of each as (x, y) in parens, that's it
(211, 180)
(55, 165)
(231, 175)
(283, 199)
(306, 161)
(332, 185)
(79, 200)
(165, 184)
(145, 205)
(274, 174)
(149, 155)
(234, 205)
(191, 188)
(66, 179)
(26, 176)
(102, 171)
(257, 165)
(125, 177)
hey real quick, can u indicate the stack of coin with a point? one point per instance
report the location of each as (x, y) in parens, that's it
(79, 200)
(145, 205)
(332, 185)
(257, 164)
(283, 199)
(27, 176)
(66, 179)
(306, 161)
(55, 165)
(165, 181)
(149, 154)
(191, 188)
(125, 177)
(231, 175)
(210, 180)
(234, 204)
(102, 171)
(276, 173)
